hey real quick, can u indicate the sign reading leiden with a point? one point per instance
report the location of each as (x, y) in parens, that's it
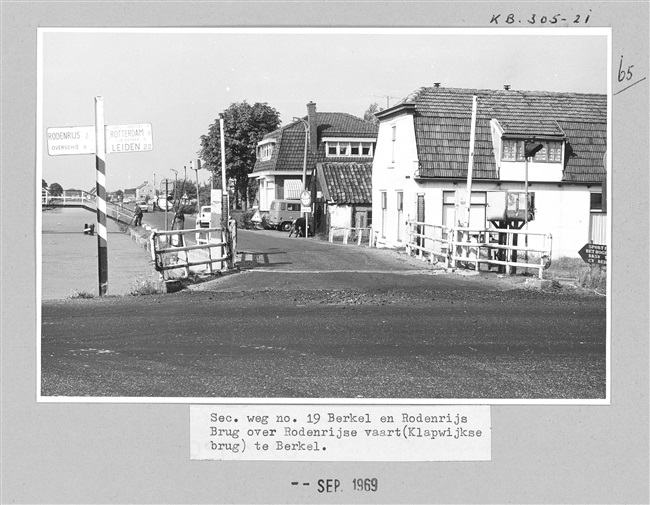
(595, 254)
(129, 138)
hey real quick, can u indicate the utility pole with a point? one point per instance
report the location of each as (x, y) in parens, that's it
(175, 185)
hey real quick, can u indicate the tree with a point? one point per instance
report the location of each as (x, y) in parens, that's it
(56, 189)
(369, 115)
(44, 186)
(244, 127)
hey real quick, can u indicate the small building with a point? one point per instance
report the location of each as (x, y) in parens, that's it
(287, 154)
(344, 196)
(422, 155)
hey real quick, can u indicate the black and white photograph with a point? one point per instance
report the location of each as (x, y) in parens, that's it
(324, 214)
(289, 251)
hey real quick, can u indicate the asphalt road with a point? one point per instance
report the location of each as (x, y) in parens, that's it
(308, 319)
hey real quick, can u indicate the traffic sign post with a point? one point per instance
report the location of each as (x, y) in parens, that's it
(594, 254)
(305, 209)
(99, 140)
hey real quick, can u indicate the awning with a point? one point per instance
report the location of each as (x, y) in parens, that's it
(292, 189)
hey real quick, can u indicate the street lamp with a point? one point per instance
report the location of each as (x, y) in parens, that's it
(531, 148)
(198, 198)
(175, 184)
(304, 166)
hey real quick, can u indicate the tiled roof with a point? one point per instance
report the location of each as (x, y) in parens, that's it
(348, 182)
(442, 128)
(289, 151)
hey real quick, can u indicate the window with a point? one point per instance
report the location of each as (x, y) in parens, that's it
(265, 151)
(293, 206)
(349, 149)
(394, 137)
(384, 209)
(513, 150)
(400, 216)
(596, 202)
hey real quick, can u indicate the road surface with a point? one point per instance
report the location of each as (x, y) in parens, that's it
(309, 319)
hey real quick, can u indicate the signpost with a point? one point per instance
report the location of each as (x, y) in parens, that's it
(594, 254)
(305, 208)
(99, 140)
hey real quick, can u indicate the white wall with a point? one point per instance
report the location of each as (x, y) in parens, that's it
(537, 172)
(394, 174)
(340, 216)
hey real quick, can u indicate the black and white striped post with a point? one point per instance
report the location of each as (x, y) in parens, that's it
(100, 164)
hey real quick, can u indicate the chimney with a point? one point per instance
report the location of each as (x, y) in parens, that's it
(436, 84)
(506, 87)
(313, 127)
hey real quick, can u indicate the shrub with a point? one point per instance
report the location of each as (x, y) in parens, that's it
(145, 286)
(82, 294)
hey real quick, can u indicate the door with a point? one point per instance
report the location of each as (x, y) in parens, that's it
(420, 218)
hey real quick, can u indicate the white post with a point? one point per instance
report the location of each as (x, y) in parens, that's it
(470, 170)
(100, 165)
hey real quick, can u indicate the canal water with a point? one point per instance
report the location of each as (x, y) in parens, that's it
(69, 258)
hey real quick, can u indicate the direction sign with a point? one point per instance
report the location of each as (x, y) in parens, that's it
(166, 185)
(71, 140)
(129, 138)
(594, 254)
(305, 198)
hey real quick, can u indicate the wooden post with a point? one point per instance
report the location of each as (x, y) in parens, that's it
(100, 165)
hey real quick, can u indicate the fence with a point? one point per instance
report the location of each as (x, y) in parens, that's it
(87, 201)
(168, 247)
(357, 234)
(493, 247)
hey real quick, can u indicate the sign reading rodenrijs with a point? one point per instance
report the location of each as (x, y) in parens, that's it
(71, 140)
(129, 138)
(594, 254)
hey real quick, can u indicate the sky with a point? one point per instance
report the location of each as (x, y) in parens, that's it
(179, 80)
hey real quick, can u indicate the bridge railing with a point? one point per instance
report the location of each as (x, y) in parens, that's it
(458, 246)
(88, 201)
(172, 256)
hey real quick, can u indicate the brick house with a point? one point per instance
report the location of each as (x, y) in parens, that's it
(332, 138)
(422, 157)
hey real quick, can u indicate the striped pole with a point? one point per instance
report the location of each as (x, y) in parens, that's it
(100, 164)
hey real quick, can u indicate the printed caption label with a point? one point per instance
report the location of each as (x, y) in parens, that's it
(340, 433)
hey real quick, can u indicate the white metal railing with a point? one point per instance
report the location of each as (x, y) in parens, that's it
(88, 201)
(458, 246)
(168, 249)
(68, 198)
(357, 234)
(435, 243)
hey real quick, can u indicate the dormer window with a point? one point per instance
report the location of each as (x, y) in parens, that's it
(349, 149)
(513, 150)
(265, 150)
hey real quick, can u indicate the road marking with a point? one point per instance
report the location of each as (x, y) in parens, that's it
(397, 272)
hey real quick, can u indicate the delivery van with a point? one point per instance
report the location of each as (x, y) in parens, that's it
(283, 212)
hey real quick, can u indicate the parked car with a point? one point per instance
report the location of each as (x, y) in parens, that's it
(283, 213)
(144, 207)
(203, 221)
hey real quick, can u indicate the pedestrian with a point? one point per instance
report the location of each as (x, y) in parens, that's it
(178, 222)
(137, 219)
